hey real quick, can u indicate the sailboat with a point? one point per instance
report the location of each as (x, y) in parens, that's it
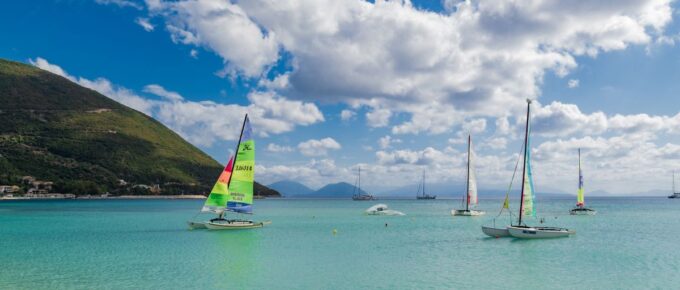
(581, 208)
(424, 195)
(470, 199)
(357, 195)
(233, 191)
(526, 206)
(675, 193)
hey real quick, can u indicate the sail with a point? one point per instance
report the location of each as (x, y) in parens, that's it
(528, 192)
(472, 179)
(580, 200)
(217, 200)
(242, 178)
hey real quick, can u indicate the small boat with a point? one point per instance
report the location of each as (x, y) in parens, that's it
(470, 198)
(382, 209)
(675, 193)
(526, 206)
(580, 208)
(233, 191)
(495, 232)
(358, 195)
(423, 195)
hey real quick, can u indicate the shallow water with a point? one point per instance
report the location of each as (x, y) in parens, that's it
(631, 243)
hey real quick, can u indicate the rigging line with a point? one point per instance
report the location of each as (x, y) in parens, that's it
(511, 181)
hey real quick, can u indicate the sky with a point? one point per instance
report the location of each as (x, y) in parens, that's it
(393, 87)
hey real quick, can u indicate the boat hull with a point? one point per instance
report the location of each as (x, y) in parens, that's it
(197, 225)
(495, 232)
(462, 212)
(363, 197)
(539, 232)
(420, 197)
(582, 211)
(235, 225)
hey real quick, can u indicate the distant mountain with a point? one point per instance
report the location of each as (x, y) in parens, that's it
(291, 188)
(55, 130)
(335, 190)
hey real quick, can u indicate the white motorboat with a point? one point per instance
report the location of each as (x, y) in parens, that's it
(382, 209)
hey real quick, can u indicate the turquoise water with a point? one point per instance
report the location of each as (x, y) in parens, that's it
(632, 243)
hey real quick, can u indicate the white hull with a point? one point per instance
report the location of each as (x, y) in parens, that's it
(494, 232)
(582, 211)
(385, 212)
(197, 225)
(235, 225)
(462, 212)
(538, 232)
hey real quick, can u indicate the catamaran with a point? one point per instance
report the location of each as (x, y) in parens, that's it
(357, 195)
(470, 199)
(423, 195)
(233, 191)
(581, 208)
(526, 206)
(675, 193)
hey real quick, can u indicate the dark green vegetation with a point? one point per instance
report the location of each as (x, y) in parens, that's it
(56, 130)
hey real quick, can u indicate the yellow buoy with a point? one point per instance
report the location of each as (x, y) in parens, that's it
(335, 232)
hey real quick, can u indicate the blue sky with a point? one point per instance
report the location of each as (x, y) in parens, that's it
(411, 78)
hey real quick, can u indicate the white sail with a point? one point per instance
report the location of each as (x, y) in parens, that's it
(472, 180)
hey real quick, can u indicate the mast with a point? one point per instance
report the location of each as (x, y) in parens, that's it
(240, 136)
(524, 168)
(673, 181)
(467, 183)
(359, 183)
(424, 183)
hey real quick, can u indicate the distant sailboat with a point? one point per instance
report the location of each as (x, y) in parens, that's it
(233, 191)
(526, 207)
(675, 193)
(423, 194)
(580, 208)
(470, 199)
(357, 195)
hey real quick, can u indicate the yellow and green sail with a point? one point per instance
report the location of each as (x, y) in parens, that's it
(217, 200)
(580, 201)
(240, 198)
(528, 194)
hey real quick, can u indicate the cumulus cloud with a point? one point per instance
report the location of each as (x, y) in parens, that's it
(272, 147)
(144, 23)
(196, 121)
(121, 3)
(386, 141)
(347, 114)
(573, 83)
(476, 57)
(320, 147)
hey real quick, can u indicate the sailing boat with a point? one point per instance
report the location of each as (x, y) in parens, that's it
(424, 195)
(233, 191)
(471, 188)
(357, 195)
(580, 208)
(675, 193)
(526, 206)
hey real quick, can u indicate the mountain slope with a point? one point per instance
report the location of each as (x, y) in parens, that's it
(290, 188)
(56, 130)
(335, 190)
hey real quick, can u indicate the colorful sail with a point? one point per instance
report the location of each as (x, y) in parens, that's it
(528, 192)
(472, 179)
(242, 178)
(580, 200)
(217, 200)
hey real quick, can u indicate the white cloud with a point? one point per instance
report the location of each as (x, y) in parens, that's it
(121, 3)
(272, 147)
(321, 147)
(479, 59)
(194, 53)
(144, 23)
(347, 114)
(162, 92)
(386, 141)
(197, 121)
(573, 83)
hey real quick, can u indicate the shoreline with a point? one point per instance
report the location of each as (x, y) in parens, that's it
(186, 196)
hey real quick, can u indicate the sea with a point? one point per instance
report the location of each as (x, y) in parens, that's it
(632, 243)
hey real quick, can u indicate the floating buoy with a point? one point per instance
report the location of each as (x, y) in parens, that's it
(335, 232)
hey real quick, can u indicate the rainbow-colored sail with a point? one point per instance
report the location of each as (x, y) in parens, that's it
(217, 200)
(240, 198)
(580, 201)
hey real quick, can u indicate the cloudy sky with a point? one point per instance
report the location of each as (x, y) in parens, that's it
(391, 86)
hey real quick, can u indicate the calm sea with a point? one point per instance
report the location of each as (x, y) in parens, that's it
(633, 243)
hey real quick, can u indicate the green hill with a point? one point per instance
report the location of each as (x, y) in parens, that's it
(56, 130)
